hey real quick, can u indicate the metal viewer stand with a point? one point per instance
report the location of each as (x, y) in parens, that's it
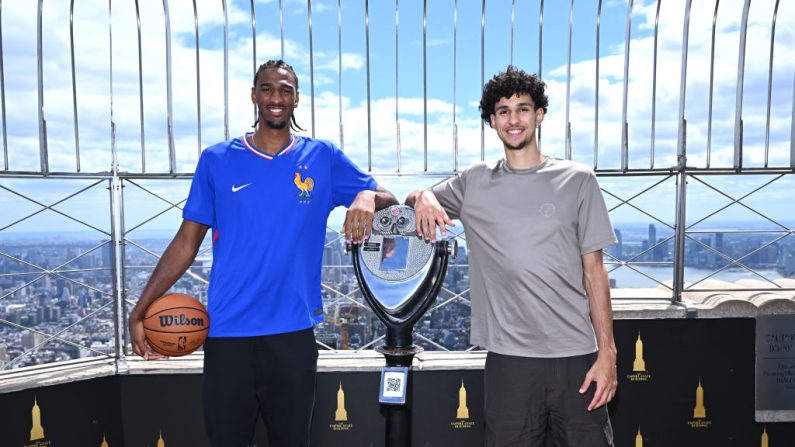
(400, 276)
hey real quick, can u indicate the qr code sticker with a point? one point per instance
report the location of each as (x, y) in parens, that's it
(393, 384)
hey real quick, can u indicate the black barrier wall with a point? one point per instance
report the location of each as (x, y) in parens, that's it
(681, 382)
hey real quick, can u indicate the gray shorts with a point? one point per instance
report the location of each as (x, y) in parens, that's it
(536, 402)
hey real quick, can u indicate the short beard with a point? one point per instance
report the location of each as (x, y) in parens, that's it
(514, 147)
(272, 125)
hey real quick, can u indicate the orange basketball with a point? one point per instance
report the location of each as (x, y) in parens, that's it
(176, 324)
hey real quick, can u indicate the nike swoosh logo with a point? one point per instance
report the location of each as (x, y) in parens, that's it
(238, 188)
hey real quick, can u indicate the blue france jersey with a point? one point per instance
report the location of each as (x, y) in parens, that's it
(268, 216)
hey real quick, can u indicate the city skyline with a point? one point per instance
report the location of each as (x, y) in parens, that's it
(74, 300)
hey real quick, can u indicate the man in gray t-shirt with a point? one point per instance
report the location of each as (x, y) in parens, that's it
(535, 227)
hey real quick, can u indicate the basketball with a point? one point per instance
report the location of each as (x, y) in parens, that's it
(176, 324)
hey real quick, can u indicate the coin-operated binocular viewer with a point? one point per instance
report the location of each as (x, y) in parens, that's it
(400, 276)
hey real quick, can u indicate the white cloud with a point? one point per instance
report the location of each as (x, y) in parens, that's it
(330, 62)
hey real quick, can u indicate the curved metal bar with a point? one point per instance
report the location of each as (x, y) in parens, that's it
(339, 72)
(624, 123)
(596, 90)
(455, 72)
(541, 36)
(367, 58)
(738, 111)
(483, 74)
(681, 138)
(43, 161)
(770, 82)
(226, 71)
(140, 88)
(311, 64)
(172, 154)
(74, 80)
(254, 50)
(567, 123)
(654, 86)
(397, 78)
(3, 92)
(198, 80)
(681, 176)
(513, 14)
(425, 84)
(114, 154)
(711, 83)
(281, 24)
(540, 53)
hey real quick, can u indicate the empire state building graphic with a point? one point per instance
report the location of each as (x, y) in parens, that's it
(462, 418)
(699, 410)
(462, 412)
(639, 372)
(639, 364)
(36, 430)
(341, 415)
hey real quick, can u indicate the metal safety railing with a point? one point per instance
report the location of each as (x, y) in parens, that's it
(603, 91)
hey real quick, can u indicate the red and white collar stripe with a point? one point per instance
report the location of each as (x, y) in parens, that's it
(281, 152)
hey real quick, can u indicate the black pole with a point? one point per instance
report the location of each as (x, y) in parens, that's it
(398, 417)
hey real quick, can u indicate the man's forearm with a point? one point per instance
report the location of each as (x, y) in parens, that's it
(177, 258)
(597, 287)
(411, 199)
(384, 198)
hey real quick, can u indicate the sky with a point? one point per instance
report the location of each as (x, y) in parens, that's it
(447, 91)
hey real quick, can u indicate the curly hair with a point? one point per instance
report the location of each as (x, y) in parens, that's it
(512, 81)
(275, 65)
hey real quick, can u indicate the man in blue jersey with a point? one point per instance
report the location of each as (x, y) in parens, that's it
(267, 196)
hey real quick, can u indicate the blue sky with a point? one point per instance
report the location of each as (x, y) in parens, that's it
(94, 101)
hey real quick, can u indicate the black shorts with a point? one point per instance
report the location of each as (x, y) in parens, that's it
(272, 376)
(536, 402)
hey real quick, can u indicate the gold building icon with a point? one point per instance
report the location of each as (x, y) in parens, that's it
(639, 439)
(764, 438)
(699, 411)
(639, 364)
(463, 411)
(104, 441)
(341, 415)
(160, 441)
(36, 430)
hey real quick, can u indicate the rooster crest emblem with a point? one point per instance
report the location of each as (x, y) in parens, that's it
(305, 186)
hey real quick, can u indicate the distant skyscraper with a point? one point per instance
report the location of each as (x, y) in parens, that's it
(3, 355)
(107, 256)
(31, 339)
(652, 242)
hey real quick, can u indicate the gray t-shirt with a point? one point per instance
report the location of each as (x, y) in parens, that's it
(526, 231)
